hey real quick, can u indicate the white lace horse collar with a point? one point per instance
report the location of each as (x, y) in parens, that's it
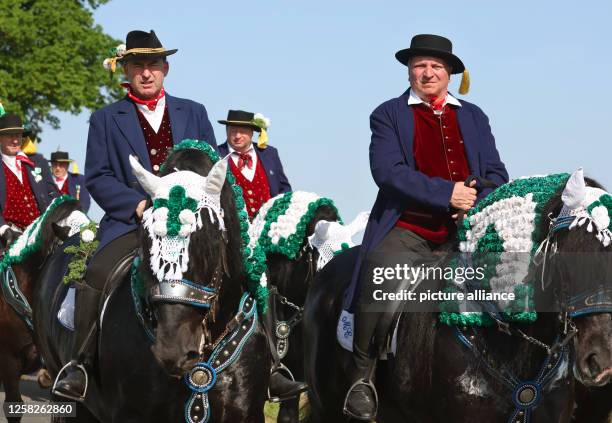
(178, 198)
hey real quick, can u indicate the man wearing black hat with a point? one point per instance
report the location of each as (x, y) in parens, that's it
(256, 166)
(147, 123)
(259, 172)
(26, 186)
(69, 183)
(424, 146)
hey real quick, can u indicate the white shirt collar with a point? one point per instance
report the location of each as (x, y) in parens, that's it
(10, 160)
(250, 151)
(415, 99)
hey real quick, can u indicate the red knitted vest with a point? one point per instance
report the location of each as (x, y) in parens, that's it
(20, 207)
(438, 152)
(255, 192)
(158, 143)
(65, 187)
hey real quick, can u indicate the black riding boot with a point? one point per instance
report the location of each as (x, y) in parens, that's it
(281, 388)
(361, 400)
(73, 381)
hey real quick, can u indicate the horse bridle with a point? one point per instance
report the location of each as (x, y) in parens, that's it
(283, 328)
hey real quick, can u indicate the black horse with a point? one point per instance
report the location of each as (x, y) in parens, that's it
(434, 377)
(292, 279)
(138, 379)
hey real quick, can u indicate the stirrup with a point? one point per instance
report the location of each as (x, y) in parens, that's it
(371, 386)
(284, 369)
(80, 398)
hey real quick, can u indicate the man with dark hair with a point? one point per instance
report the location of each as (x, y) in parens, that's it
(425, 145)
(69, 183)
(147, 123)
(26, 186)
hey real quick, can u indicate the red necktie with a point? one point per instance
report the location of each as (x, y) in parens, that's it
(435, 104)
(151, 104)
(244, 159)
(24, 159)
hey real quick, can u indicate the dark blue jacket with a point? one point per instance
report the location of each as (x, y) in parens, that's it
(77, 180)
(271, 163)
(44, 190)
(400, 184)
(114, 134)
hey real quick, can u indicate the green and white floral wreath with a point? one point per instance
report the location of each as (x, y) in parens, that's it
(31, 238)
(254, 263)
(502, 231)
(178, 198)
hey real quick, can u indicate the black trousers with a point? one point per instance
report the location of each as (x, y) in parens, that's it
(89, 294)
(371, 322)
(105, 260)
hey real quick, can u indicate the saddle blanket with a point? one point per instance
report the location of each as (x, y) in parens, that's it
(345, 330)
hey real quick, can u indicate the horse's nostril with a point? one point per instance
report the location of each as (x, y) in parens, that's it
(593, 365)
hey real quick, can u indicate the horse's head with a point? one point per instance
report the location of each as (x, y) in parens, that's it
(191, 256)
(581, 269)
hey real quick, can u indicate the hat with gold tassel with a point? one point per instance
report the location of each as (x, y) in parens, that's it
(436, 46)
(255, 121)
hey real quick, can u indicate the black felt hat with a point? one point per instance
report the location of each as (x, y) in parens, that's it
(60, 156)
(240, 118)
(139, 44)
(10, 124)
(431, 45)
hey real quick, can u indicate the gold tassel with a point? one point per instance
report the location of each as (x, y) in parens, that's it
(262, 141)
(464, 87)
(28, 146)
(75, 168)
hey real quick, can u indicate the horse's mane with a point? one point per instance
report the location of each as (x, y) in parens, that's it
(285, 270)
(48, 235)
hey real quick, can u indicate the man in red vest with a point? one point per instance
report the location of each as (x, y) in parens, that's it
(26, 186)
(69, 183)
(425, 144)
(259, 172)
(256, 166)
(146, 123)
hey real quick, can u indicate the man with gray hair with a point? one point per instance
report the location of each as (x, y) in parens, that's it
(425, 145)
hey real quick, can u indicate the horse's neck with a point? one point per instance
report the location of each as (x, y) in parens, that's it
(26, 278)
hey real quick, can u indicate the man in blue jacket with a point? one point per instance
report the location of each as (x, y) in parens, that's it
(146, 123)
(424, 146)
(69, 183)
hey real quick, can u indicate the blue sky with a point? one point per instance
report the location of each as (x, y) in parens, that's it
(541, 71)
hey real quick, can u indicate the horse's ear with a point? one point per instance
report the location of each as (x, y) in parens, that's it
(574, 194)
(60, 231)
(359, 223)
(146, 179)
(216, 177)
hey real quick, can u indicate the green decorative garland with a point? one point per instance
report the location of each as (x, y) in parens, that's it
(254, 262)
(81, 253)
(11, 258)
(291, 245)
(490, 248)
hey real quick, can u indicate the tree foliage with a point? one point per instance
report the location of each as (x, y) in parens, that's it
(51, 54)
